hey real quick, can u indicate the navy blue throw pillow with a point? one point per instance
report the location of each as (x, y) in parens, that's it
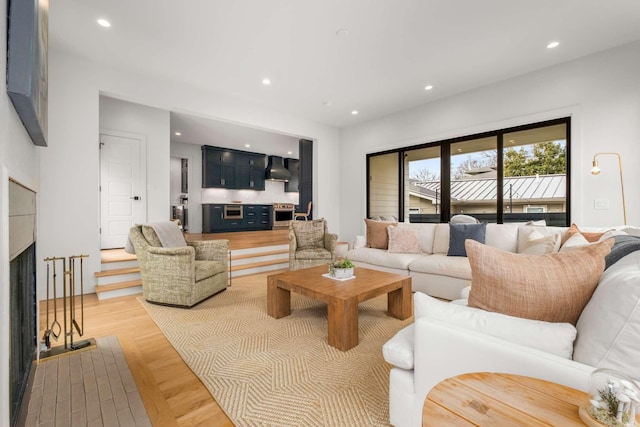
(458, 233)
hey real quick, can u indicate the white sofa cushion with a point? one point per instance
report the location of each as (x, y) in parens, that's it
(441, 239)
(609, 326)
(502, 236)
(383, 258)
(399, 350)
(427, 236)
(453, 266)
(555, 338)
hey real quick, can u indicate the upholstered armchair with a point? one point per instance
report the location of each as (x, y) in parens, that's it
(175, 272)
(310, 243)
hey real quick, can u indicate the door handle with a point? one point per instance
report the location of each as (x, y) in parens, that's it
(135, 197)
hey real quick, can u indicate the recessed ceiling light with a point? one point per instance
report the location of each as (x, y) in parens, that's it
(428, 87)
(178, 133)
(342, 33)
(459, 150)
(289, 152)
(266, 82)
(354, 112)
(247, 145)
(552, 45)
(104, 23)
(511, 141)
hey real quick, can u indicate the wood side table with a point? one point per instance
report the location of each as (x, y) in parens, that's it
(495, 399)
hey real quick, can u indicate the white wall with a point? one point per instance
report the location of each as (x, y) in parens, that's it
(600, 92)
(19, 159)
(70, 169)
(153, 125)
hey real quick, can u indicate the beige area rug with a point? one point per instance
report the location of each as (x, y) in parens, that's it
(281, 372)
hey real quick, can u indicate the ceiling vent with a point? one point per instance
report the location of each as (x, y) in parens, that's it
(276, 170)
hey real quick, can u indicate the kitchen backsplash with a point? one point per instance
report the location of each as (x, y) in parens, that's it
(273, 193)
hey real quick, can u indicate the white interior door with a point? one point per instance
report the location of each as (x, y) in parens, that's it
(122, 184)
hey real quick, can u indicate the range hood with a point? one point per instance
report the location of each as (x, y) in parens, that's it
(276, 170)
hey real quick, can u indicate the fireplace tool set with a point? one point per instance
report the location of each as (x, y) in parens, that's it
(70, 323)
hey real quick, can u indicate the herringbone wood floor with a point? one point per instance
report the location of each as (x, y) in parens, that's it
(172, 394)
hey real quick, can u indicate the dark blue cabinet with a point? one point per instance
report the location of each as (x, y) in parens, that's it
(212, 218)
(254, 217)
(293, 166)
(233, 169)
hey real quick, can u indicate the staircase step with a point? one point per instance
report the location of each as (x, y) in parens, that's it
(119, 285)
(116, 255)
(117, 272)
(259, 264)
(119, 289)
(258, 254)
(119, 264)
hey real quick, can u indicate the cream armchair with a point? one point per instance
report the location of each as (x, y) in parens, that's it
(182, 275)
(310, 243)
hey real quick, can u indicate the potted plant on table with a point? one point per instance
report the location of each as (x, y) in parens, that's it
(341, 268)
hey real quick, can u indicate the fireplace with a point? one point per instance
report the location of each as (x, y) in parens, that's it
(23, 324)
(23, 330)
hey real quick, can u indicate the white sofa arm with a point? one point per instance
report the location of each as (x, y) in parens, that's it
(443, 350)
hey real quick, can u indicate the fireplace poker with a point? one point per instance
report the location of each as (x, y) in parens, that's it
(72, 302)
(47, 332)
(55, 304)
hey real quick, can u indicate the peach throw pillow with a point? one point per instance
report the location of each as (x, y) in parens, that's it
(591, 237)
(377, 236)
(553, 287)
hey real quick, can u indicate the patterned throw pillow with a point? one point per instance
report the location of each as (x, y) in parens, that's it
(404, 240)
(553, 287)
(309, 234)
(377, 235)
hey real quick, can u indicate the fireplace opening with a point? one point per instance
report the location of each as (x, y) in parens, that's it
(23, 329)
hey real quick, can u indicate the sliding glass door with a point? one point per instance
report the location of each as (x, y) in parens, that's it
(508, 175)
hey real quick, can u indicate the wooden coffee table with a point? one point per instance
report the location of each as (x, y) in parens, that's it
(493, 399)
(342, 297)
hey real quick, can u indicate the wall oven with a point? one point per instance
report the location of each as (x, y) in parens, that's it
(282, 215)
(232, 212)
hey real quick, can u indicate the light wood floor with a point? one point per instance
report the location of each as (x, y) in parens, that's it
(172, 394)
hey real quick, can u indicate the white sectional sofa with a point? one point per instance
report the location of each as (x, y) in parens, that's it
(432, 271)
(449, 339)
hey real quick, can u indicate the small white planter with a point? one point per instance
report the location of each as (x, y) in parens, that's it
(342, 273)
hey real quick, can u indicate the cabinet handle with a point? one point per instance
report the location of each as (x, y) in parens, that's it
(222, 181)
(250, 183)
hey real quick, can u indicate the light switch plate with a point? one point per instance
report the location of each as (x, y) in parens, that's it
(601, 204)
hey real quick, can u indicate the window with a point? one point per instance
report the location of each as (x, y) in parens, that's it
(508, 175)
(423, 193)
(384, 182)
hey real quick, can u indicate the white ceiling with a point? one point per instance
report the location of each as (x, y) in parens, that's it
(394, 47)
(203, 131)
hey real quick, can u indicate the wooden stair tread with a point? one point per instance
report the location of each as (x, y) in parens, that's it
(259, 254)
(116, 286)
(117, 272)
(116, 255)
(259, 264)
